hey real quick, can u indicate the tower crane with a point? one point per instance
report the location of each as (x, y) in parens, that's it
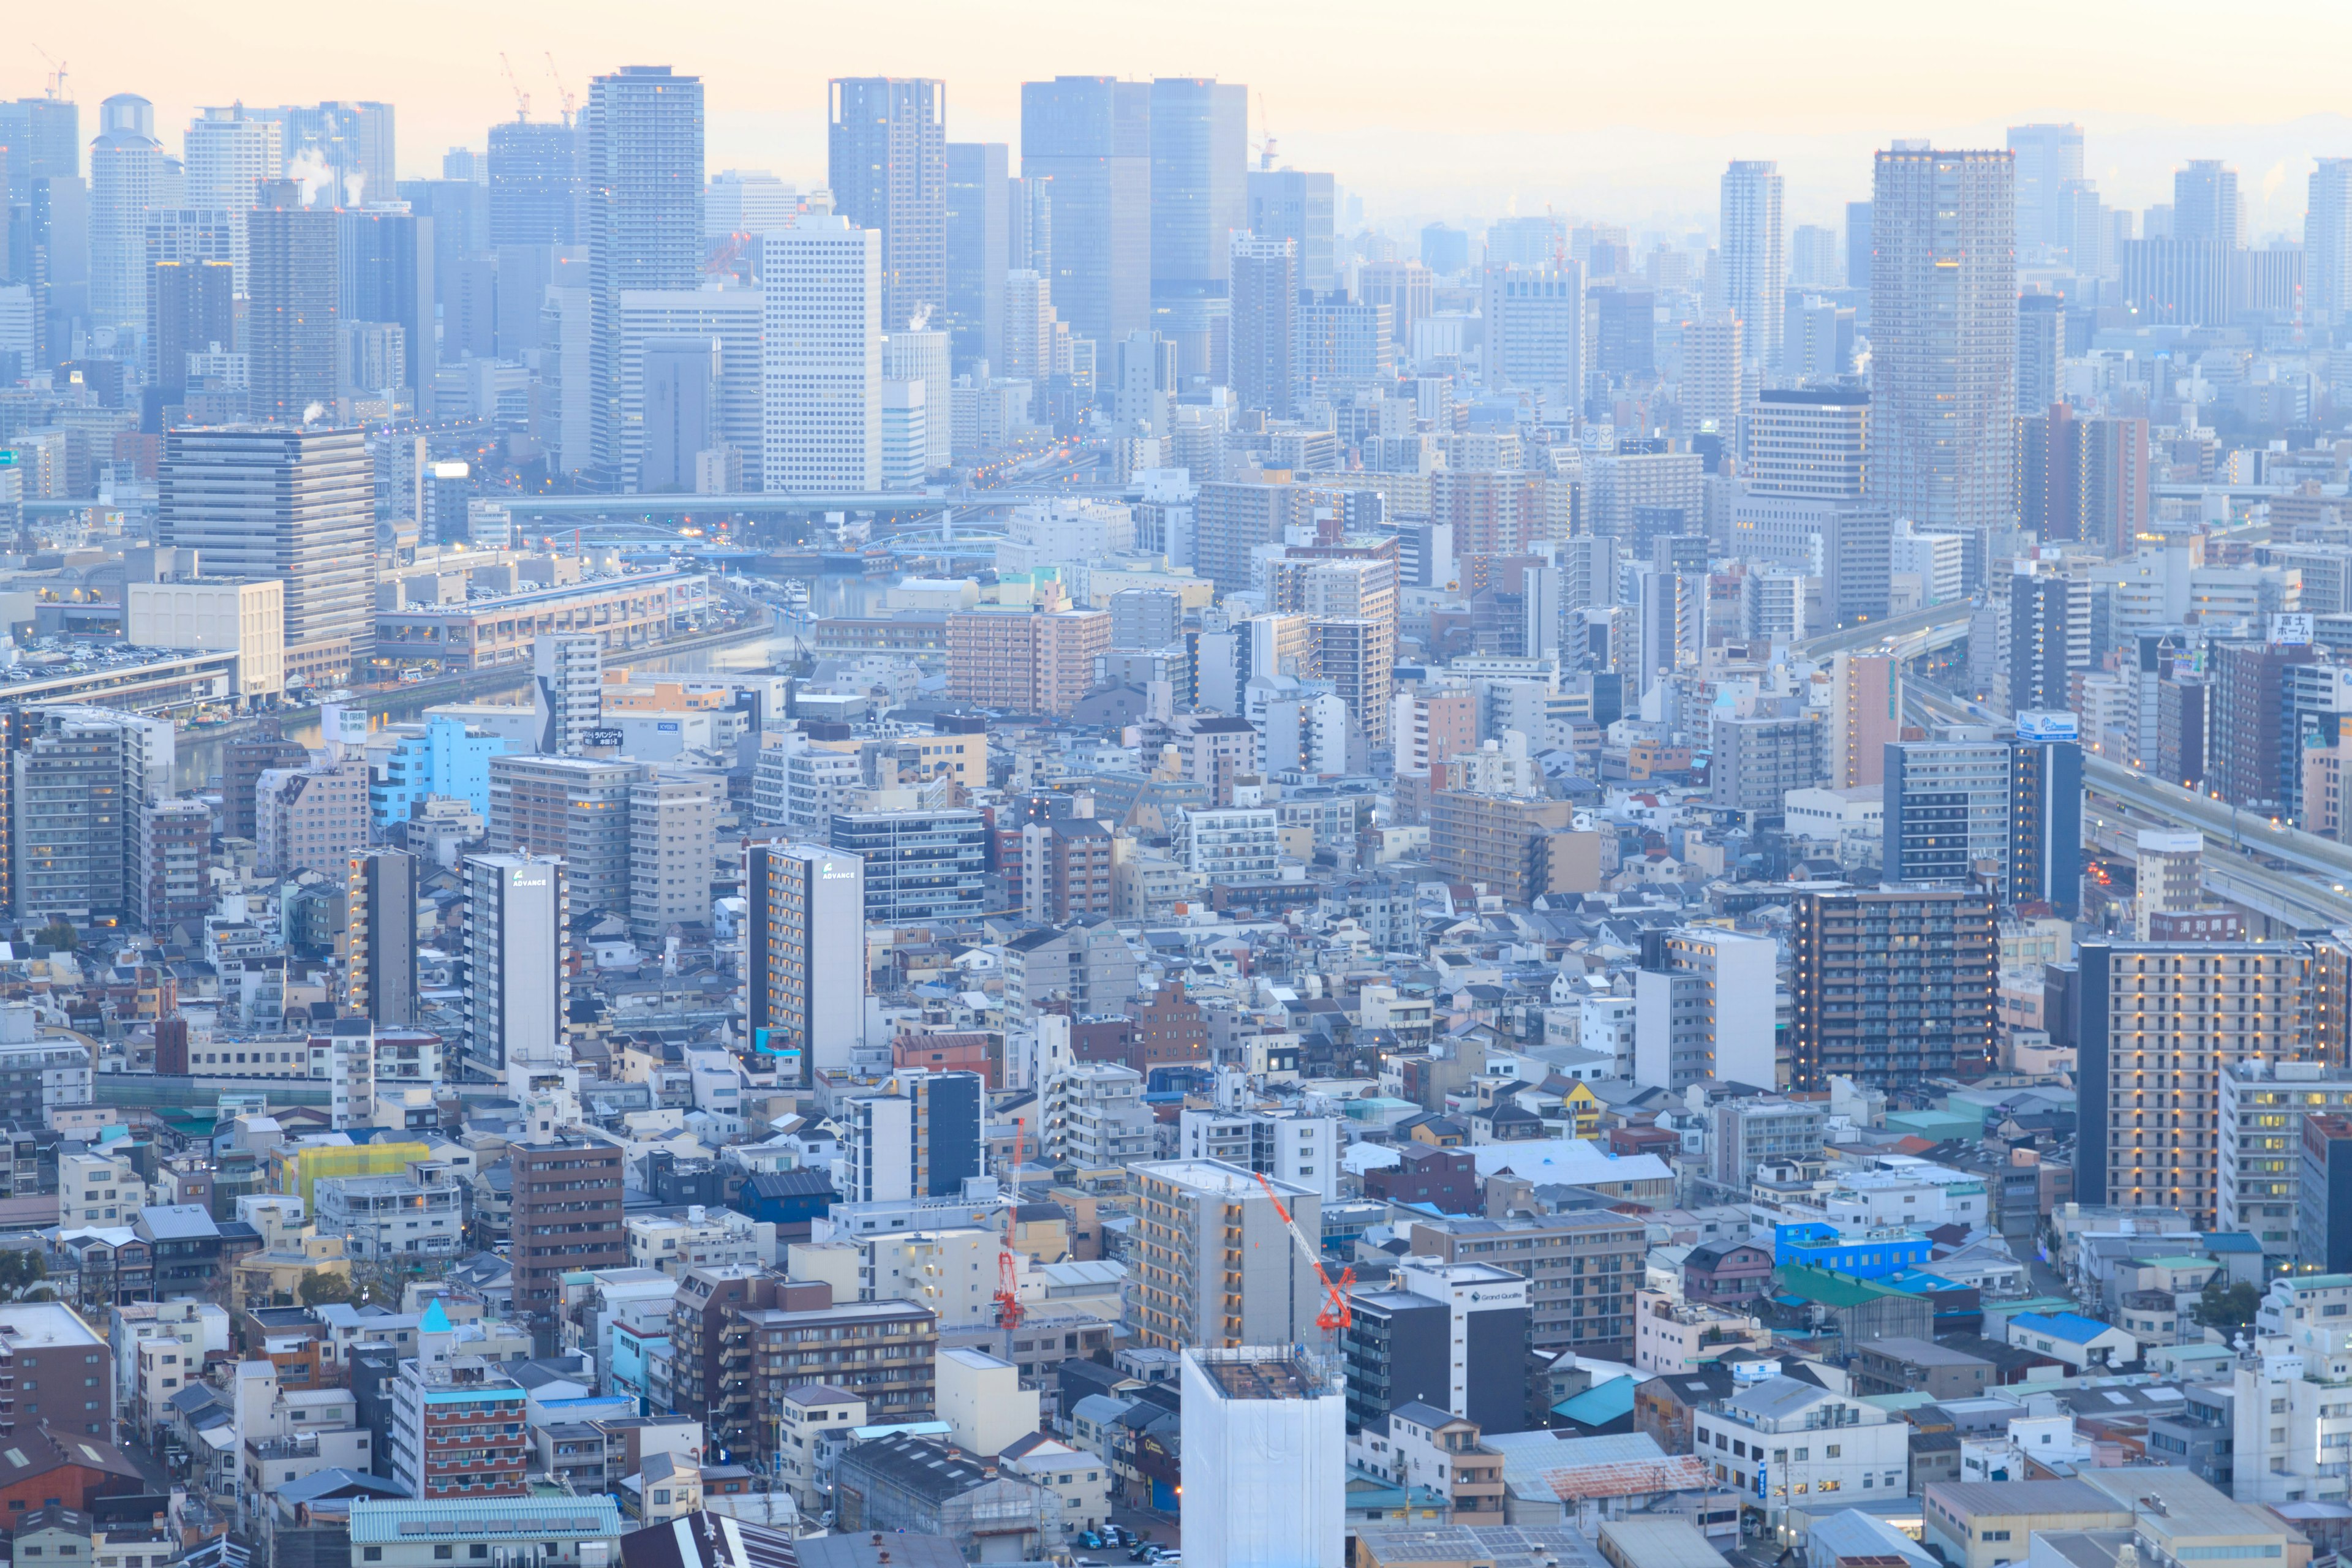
(522, 98)
(57, 88)
(563, 92)
(1008, 1273)
(1337, 1314)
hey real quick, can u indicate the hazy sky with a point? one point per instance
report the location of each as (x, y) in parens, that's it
(1621, 112)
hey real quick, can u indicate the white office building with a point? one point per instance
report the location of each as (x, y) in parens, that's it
(1703, 1009)
(823, 280)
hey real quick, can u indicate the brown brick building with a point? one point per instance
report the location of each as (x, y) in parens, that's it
(566, 1215)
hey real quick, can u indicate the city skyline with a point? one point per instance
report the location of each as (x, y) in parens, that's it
(1441, 130)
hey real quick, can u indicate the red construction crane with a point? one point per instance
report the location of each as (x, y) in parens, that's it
(1008, 1273)
(1337, 1314)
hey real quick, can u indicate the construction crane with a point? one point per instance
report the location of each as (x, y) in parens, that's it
(1008, 1273)
(1265, 134)
(57, 88)
(561, 91)
(1336, 1313)
(522, 98)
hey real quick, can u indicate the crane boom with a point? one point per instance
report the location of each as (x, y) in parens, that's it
(1336, 1313)
(522, 98)
(1008, 1273)
(563, 92)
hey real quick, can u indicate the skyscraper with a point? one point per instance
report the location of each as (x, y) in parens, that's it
(1755, 255)
(127, 176)
(1265, 323)
(822, 355)
(888, 169)
(1091, 135)
(2327, 243)
(1876, 999)
(1943, 442)
(535, 186)
(1298, 205)
(1535, 326)
(1199, 200)
(292, 324)
(567, 690)
(381, 925)
(2205, 207)
(297, 505)
(978, 250)
(2041, 350)
(191, 306)
(517, 961)
(384, 262)
(643, 200)
(43, 136)
(805, 963)
(228, 155)
(350, 145)
(2049, 161)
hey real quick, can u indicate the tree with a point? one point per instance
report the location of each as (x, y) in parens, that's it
(21, 1277)
(2226, 1306)
(58, 937)
(324, 1288)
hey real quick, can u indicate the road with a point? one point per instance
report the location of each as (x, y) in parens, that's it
(1853, 639)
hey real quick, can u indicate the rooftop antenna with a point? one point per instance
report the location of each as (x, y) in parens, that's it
(57, 88)
(522, 98)
(562, 91)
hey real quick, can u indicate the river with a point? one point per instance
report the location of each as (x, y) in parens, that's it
(197, 766)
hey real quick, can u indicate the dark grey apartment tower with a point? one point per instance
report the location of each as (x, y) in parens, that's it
(889, 169)
(1091, 135)
(382, 979)
(979, 251)
(43, 136)
(644, 199)
(191, 307)
(386, 275)
(293, 326)
(1264, 324)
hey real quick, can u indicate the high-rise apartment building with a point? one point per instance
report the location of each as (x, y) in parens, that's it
(1893, 987)
(1755, 255)
(293, 323)
(566, 1219)
(2049, 164)
(643, 189)
(175, 853)
(535, 189)
(191, 308)
(920, 866)
(79, 778)
(673, 839)
(1700, 1009)
(888, 171)
(2049, 636)
(567, 690)
(2327, 242)
(2205, 205)
(1026, 660)
(1943, 301)
(924, 1136)
(2158, 1025)
(1219, 1266)
(573, 809)
(517, 962)
(380, 928)
(227, 153)
(1199, 200)
(2083, 480)
(127, 178)
(805, 964)
(1091, 137)
(2041, 351)
(295, 505)
(2259, 1128)
(1865, 717)
(1712, 366)
(978, 250)
(2007, 808)
(1265, 354)
(1301, 207)
(1581, 1270)
(822, 355)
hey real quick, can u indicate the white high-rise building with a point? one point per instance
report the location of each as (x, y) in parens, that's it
(736, 320)
(1943, 334)
(823, 356)
(1535, 326)
(906, 435)
(2048, 177)
(924, 356)
(1705, 1010)
(2168, 875)
(518, 955)
(567, 690)
(1265, 1460)
(2327, 242)
(746, 201)
(128, 176)
(1755, 254)
(227, 157)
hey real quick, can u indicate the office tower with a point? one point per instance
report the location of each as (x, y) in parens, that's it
(1091, 136)
(1215, 1274)
(822, 355)
(1445, 249)
(567, 690)
(1961, 810)
(1200, 200)
(296, 505)
(1943, 448)
(2205, 208)
(736, 320)
(1029, 328)
(1893, 987)
(1406, 287)
(922, 865)
(1345, 348)
(2327, 243)
(2040, 349)
(1401, 1339)
(191, 308)
(1671, 608)
(292, 340)
(680, 380)
(43, 136)
(1816, 340)
(804, 961)
(1535, 326)
(2158, 1023)
(2049, 161)
(2249, 749)
(1265, 323)
(127, 177)
(535, 188)
(1865, 716)
(1625, 334)
(906, 435)
(1712, 361)
(380, 976)
(2085, 480)
(1295, 205)
(1265, 1437)
(922, 1137)
(643, 216)
(1755, 257)
(74, 801)
(887, 167)
(229, 154)
(2048, 636)
(1696, 1013)
(351, 147)
(979, 251)
(745, 201)
(517, 961)
(1814, 258)
(926, 358)
(384, 265)
(1812, 444)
